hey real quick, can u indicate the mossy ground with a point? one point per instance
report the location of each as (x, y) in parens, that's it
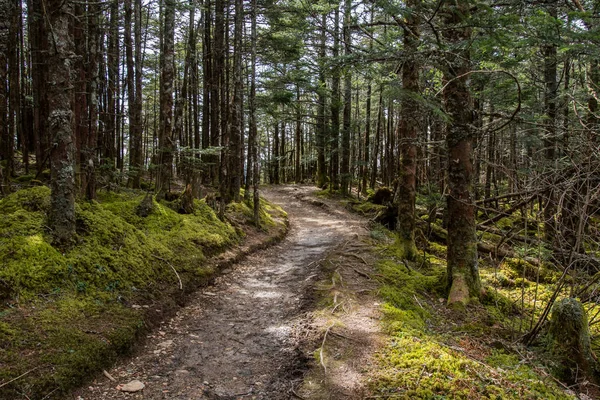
(436, 353)
(65, 315)
(433, 352)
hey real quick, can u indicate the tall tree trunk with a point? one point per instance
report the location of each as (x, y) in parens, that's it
(207, 91)
(136, 140)
(550, 107)
(463, 272)
(321, 126)
(345, 165)
(275, 153)
(253, 130)
(235, 161)
(109, 140)
(410, 122)
(335, 104)
(298, 138)
(89, 156)
(376, 145)
(4, 45)
(39, 48)
(14, 108)
(165, 134)
(60, 120)
(367, 151)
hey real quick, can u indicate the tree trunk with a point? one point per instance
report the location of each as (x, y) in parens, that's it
(410, 122)
(463, 273)
(89, 155)
(345, 165)
(165, 134)
(59, 92)
(321, 126)
(550, 100)
(335, 105)
(4, 45)
(235, 153)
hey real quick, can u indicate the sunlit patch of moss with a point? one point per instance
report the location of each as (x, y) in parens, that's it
(422, 361)
(71, 316)
(367, 208)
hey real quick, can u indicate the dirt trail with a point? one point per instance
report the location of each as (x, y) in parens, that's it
(238, 338)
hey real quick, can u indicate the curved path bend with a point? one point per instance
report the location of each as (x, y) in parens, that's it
(238, 339)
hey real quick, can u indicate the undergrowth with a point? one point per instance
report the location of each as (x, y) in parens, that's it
(436, 353)
(65, 315)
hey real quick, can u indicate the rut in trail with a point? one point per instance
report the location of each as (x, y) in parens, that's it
(237, 339)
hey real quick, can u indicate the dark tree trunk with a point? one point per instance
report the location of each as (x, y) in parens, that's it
(165, 134)
(89, 156)
(321, 126)
(59, 92)
(4, 131)
(235, 161)
(345, 145)
(463, 273)
(550, 107)
(376, 145)
(410, 122)
(298, 138)
(335, 105)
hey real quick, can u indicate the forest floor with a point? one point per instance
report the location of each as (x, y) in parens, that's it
(296, 320)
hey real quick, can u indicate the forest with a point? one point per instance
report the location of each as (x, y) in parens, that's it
(137, 138)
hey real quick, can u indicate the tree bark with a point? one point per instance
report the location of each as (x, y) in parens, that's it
(335, 105)
(60, 120)
(345, 144)
(463, 273)
(321, 126)
(410, 121)
(165, 138)
(4, 45)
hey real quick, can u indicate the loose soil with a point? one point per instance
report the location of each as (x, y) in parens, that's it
(296, 320)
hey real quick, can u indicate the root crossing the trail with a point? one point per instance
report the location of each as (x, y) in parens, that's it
(239, 338)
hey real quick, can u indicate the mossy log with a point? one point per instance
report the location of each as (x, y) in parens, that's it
(570, 342)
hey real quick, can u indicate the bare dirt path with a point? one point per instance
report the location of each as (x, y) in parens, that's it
(238, 339)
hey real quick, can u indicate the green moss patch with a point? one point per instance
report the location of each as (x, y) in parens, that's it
(65, 315)
(436, 353)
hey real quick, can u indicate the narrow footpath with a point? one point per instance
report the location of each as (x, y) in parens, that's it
(239, 338)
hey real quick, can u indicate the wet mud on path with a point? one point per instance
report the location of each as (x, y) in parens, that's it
(238, 339)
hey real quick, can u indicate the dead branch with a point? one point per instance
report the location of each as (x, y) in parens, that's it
(321, 356)
(510, 211)
(363, 274)
(357, 256)
(18, 377)
(173, 268)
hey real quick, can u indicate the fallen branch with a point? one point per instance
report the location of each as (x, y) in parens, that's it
(321, 356)
(18, 377)
(173, 268)
(364, 274)
(109, 376)
(357, 256)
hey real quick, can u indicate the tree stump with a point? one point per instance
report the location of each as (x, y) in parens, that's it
(570, 342)
(187, 201)
(145, 207)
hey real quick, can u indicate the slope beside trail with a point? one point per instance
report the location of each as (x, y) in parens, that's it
(239, 339)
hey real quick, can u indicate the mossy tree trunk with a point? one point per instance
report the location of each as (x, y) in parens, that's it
(165, 137)
(4, 44)
(463, 273)
(321, 127)
(60, 120)
(570, 342)
(409, 124)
